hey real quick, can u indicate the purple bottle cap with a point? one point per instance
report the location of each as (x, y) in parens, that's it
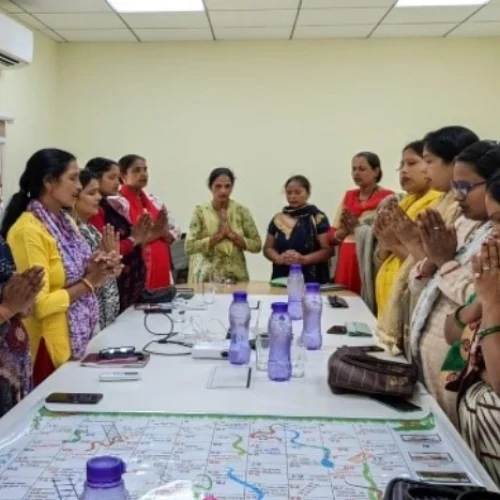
(295, 267)
(103, 471)
(312, 287)
(279, 307)
(240, 296)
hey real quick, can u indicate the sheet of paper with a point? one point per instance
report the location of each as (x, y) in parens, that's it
(230, 377)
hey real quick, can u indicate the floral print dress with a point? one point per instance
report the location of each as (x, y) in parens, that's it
(225, 261)
(107, 296)
(15, 359)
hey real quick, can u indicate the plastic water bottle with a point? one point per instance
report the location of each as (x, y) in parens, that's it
(104, 480)
(279, 366)
(295, 286)
(239, 325)
(313, 307)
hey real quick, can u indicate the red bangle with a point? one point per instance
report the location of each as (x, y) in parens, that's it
(421, 275)
(450, 270)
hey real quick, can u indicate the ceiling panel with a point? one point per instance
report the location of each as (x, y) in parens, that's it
(61, 6)
(330, 4)
(252, 18)
(164, 35)
(251, 4)
(412, 30)
(477, 29)
(120, 35)
(487, 13)
(335, 17)
(252, 33)
(348, 31)
(421, 15)
(53, 35)
(9, 7)
(81, 21)
(30, 21)
(167, 20)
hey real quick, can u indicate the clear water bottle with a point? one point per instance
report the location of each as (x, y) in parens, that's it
(104, 480)
(295, 286)
(239, 326)
(279, 366)
(313, 307)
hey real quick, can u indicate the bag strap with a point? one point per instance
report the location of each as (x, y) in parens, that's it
(431, 492)
(479, 495)
(382, 366)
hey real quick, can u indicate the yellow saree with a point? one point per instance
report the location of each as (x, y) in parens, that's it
(412, 206)
(393, 324)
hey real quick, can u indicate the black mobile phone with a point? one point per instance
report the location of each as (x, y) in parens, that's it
(185, 293)
(154, 308)
(73, 398)
(398, 404)
(337, 330)
(117, 352)
(337, 302)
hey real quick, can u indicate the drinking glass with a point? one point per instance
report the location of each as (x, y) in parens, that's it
(262, 351)
(208, 288)
(178, 314)
(298, 355)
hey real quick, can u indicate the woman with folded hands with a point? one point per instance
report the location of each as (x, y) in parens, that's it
(41, 233)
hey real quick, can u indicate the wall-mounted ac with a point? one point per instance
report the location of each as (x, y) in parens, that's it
(16, 44)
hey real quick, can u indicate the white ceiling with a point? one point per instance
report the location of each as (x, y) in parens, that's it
(96, 21)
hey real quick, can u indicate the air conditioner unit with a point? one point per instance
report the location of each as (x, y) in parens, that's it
(16, 44)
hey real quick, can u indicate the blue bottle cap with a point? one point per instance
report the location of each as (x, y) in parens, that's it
(295, 267)
(312, 287)
(279, 307)
(104, 470)
(240, 296)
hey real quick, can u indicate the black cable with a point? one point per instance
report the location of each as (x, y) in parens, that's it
(146, 315)
(166, 338)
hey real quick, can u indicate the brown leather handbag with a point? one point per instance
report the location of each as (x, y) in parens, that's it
(352, 369)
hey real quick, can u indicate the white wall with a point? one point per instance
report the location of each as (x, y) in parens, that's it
(29, 95)
(269, 110)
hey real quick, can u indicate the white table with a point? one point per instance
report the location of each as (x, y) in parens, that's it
(178, 384)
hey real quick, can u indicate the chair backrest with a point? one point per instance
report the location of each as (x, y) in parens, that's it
(180, 259)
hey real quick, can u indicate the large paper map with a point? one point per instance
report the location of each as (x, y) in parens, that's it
(230, 458)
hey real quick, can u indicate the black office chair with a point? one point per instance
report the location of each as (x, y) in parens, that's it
(180, 260)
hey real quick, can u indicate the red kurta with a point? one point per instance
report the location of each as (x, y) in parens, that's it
(156, 255)
(347, 272)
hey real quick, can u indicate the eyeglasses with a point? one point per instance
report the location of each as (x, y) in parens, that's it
(463, 188)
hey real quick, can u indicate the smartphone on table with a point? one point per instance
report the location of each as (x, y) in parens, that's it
(73, 398)
(117, 353)
(154, 308)
(395, 403)
(337, 330)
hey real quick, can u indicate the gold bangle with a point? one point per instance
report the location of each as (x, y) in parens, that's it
(88, 284)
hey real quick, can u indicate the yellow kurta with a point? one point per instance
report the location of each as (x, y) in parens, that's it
(32, 245)
(412, 206)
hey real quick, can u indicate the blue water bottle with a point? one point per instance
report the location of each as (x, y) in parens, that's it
(279, 365)
(239, 326)
(104, 480)
(313, 307)
(295, 285)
